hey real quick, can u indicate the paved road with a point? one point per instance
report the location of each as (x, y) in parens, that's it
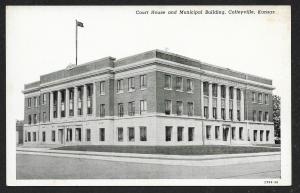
(47, 167)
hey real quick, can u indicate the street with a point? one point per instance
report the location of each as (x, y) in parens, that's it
(48, 167)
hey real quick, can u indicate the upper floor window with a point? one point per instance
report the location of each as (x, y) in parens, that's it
(143, 106)
(44, 98)
(120, 85)
(168, 106)
(179, 107)
(259, 116)
(205, 88)
(215, 90)
(266, 116)
(168, 82)
(190, 86)
(231, 92)
(253, 97)
(29, 102)
(131, 108)
(190, 109)
(29, 119)
(179, 83)
(223, 91)
(260, 98)
(34, 119)
(102, 110)
(131, 84)
(35, 102)
(254, 115)
(238, 94)
(102, 87)
(143, 81)
(266, 99)
(44, 116)
(120, 110)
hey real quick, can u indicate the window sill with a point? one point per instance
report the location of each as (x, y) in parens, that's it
(167, 88)
(102, 94)
(190, 92)
(120, 92)
(131, 91)
(179, 90)
(144, 88)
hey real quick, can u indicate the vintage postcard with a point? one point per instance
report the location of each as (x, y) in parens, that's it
(148, 95)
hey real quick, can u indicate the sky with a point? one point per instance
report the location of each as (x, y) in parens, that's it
(41, 40)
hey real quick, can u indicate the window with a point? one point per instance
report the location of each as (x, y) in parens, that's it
(168, 83)
(35, 101)
(208, 132)
(215, 90)
(131, 135)
(267, 135)
(191, 133)
(231, 92)
(214, 112)
(206, 112)
(69, 134)
(238, 115)
(29, 102)
(78, 134)
(205, 88)
(179, 107)
(253, 97)
(254, 115)
(233, 133)
(143, 106)
(179, 133)
(131, 108)
(120, 134)
(259, 116)
(190, 109)
(190, 86)
(102, 110)
(120, 110)
(44, 116)
(223, 113)
(34, 118)
(102, 134)
(131, 84)
(266, 116)
(29, 136)
(179, 83)
(88, 134)
(266, 99)
(44, 136)
(259, 98)
(238, 94)
(143, 81)
(241, 133)
(44, 98)
(29, 119)
(217, 132)
(168, 133)
(71, 102)
(254, 135)
(261, 133)
(102, 88)
(80, 96)
(53, 136)
(230, 114)
(143, 133)
(223, 91)
(168, 106)
(120, 86)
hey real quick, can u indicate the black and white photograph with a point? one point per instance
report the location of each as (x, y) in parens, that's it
(148, 95)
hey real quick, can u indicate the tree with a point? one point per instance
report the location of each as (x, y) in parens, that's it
(276, 115)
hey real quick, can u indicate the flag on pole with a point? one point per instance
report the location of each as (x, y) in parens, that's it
(78, 23)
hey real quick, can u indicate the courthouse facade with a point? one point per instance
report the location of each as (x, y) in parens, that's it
(152, 98)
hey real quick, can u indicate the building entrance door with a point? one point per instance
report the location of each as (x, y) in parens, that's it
(61, 137)
(226, 129)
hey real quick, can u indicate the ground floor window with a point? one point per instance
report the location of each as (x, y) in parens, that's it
(230, 114)
(29, 136)
(225, 133)
(143, 133)
(233, 133)
(88, 134)
(78, 134)
(208, 132)
(120, 134)
(131, 134)
(44, 136)
(248, 133)
(217, 132)
(168, 133)
(179, 133)
(53, 135)
(69, 134)
(34, 136)
(191, 133)
(267, 135)
(261, 135)
(102, 134)
(241, 133)
(223, 113)
(206, 112)
(254, 135)
(214, 112)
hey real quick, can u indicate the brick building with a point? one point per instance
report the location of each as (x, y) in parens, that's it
(152, 98)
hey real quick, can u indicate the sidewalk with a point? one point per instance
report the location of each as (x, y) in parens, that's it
(184, 160)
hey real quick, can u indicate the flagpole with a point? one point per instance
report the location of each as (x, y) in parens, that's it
(76, 38)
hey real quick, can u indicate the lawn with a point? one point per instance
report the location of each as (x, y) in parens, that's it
(171, 150)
